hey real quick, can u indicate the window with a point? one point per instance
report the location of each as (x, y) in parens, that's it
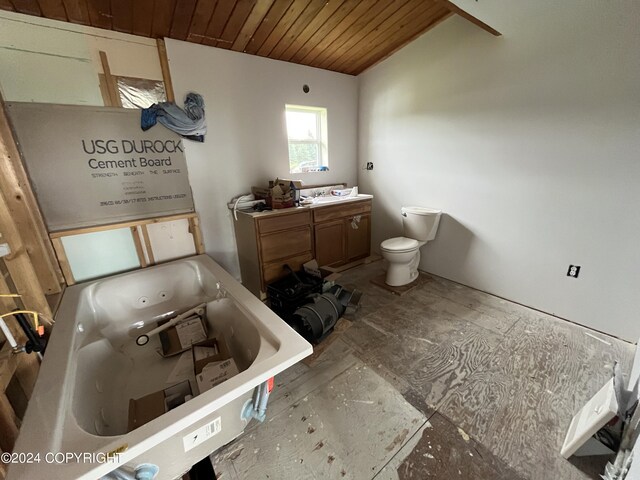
(307, 133)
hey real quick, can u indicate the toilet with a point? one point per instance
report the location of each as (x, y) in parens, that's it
(419, 225)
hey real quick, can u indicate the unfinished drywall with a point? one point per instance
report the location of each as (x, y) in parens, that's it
(529, 144)
(55, 62)
(246, 144)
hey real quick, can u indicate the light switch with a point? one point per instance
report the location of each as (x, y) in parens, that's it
(4, 249)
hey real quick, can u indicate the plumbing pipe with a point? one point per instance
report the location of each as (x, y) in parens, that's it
(34, 343)
(257, 407)
(144, 471)
(144, 338)
(8, 335)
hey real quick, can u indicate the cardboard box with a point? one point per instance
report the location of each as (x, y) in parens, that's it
(215, 373)
(312, 268)
(283, 193)
(218, 343)
(151, 406)
(182, 336)
(212, 363)
(292, 187)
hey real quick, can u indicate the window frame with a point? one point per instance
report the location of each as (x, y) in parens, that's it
(321, 133)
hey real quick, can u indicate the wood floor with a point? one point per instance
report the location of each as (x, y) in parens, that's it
(443, 382)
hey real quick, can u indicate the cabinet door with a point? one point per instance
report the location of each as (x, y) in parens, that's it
(329, 240)
(358, 237)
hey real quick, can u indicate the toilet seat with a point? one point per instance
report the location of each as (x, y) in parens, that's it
(400, 244)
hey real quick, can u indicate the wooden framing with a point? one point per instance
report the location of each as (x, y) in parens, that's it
(109, 83)
(23, 209)
(139, 250)
(147, 244)
(166, 74)
(9, 424)
(63, 260)
(194, 229)
(18, 263)
(114, 226)
(140, 235)
(23, 367)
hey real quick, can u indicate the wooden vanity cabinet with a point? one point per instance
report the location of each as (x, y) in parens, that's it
(269, 242)
(332, 234)
(342, 233)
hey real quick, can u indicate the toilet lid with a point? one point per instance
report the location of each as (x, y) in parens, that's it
(400, 244)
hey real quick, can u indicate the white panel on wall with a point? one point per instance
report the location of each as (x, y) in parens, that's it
(171, 240)
(35, 77)
(528, 143)
(97, 254)
(245, 99)
(48, 61)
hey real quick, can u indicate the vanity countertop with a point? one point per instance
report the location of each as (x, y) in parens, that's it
(325, 202)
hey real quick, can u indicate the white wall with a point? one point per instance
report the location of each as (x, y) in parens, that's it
(246, 144)
(529, 143)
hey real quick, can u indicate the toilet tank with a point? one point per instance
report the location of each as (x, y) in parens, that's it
(420, 223)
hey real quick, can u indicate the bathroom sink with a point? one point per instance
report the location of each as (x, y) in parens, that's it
(334, 199)
(328, 199)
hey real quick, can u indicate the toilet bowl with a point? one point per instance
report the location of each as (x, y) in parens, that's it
(419, 225)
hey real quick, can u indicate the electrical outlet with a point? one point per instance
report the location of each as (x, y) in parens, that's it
(574, 271)
(369, 165)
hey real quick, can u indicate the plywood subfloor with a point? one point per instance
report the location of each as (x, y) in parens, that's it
(320, 435)
(491, 386)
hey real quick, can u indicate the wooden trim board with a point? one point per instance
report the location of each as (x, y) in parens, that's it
(467, 16)
(194, 229)
(147, 244)
(138, 244)
(110, 80)
(166, 73)
(63, 260)
(115, 226)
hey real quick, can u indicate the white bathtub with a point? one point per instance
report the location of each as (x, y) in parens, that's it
(92, 368)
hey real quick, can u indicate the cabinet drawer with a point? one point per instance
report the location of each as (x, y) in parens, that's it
(285, 244)
(275, 270)
(334, 212)
(283, 222)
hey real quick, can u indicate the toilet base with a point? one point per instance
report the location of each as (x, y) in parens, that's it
(399, 274)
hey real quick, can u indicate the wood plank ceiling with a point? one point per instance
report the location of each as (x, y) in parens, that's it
(345, 36)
